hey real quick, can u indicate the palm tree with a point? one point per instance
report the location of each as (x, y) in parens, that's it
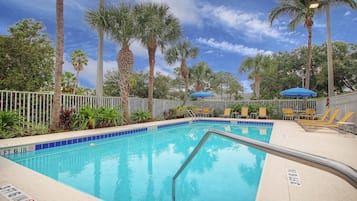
(78, 59)
(68, 82)
(200, 73)
(255, 66)
(181, 52)
(156, 28)
(99, 84)
(300, 12)
(56, 109)
(118, 23)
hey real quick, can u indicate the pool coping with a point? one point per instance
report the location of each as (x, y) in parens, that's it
(14, 174)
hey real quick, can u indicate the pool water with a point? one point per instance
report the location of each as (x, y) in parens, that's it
(141, 166)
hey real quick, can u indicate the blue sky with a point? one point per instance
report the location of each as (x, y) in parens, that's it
(226, 32)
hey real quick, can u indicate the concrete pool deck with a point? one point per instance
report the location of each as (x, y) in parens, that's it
(274, 184)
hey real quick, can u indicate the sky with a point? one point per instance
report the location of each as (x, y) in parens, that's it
(225, 31)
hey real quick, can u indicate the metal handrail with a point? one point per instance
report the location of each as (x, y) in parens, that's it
(335, 167)
(191, 113)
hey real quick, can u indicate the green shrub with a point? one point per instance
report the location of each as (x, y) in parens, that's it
(10, 124)
(141, 116)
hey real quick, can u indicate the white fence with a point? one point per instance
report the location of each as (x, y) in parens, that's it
(36, 107)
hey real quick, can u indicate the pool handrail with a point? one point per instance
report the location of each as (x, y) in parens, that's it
(337, 168)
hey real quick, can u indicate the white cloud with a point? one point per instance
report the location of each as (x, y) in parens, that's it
(185, 10)
(229, 47)
(252, 25)
(347, 13)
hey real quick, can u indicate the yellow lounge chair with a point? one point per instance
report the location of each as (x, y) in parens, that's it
(347, 116)
(262, 113)
(288, 113)
(227, 112)
(320, 118)
(244, 112)
(206, 112)
(309, 114)
(329, 122)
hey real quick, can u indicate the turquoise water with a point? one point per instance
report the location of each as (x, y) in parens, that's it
(140, 167)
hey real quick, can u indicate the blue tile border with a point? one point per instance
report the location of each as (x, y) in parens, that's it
(70, 141)
(173, 124)
(86, 139)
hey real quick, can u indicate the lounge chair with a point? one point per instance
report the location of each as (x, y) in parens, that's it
(329, 122)
(288, 114)
(347, 116)
(320, 118)
(262, 113)
(244, 112)
(227, 113)
(309, 114)
(206, 112)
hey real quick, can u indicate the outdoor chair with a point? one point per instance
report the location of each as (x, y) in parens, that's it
(309, 114)
(262, 113)
(330, 124)
(227, 113)
(288, 114)
(244, 113)
(316, 118)
(207, 112)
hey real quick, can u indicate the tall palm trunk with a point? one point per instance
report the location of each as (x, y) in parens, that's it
(184, 73)
(76, 84)
(99, 84)
(151, 51)
(257, 86)
(309, 53)
(55, 118)
(125, 65)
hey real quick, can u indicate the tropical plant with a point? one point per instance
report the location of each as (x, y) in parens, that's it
(10, 123)
(66, 118)
(141, 116)
(55, 118)
(156, 28)
(85, 118)
(26, 57)
(180, 53)
(78, 60)
(201, 74)
(118, 22)
(107, 117)
(300, 12)
(255, 66)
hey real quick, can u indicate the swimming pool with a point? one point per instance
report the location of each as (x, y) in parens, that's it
(141, 166)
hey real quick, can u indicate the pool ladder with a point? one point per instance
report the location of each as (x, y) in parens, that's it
(334, 167)
(191, 113)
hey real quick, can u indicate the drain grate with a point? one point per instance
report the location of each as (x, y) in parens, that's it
(10, 192)
(293, 178)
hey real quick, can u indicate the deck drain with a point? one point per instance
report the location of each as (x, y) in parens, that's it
(293, 178)
(12, 193)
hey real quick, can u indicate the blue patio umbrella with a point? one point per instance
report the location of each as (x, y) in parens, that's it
(201, 94)
(298, 92)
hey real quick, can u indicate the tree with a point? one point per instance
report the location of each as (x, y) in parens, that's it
(255, 66)
(78, 60)
(118, 22)
(55, 118)
(180, 53)
(68, 82)
(26, 57)
(99, 83)
(300, 12)
(201, 73)
(156, 28)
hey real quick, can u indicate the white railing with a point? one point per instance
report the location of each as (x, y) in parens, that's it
(36, 107)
